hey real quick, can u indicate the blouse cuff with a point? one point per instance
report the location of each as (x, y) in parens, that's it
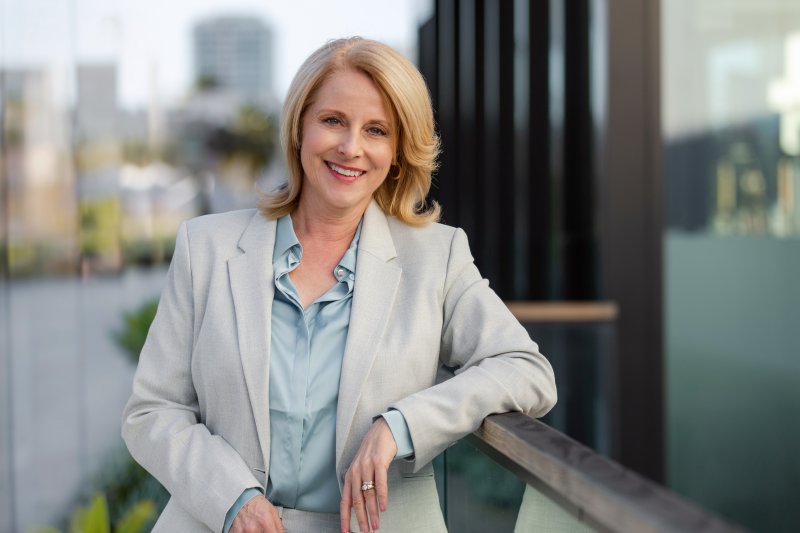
(402, 437)
(246, 496)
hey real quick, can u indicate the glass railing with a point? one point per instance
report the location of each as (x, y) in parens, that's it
(517, 474)
(578, 338)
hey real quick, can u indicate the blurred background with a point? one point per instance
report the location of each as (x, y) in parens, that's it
(594, 150)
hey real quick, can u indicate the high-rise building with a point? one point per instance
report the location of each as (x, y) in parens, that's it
(234, 54)
(96, 102)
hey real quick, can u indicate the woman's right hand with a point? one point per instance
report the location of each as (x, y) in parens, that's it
(257, 516)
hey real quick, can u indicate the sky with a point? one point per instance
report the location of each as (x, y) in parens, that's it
(150, 40)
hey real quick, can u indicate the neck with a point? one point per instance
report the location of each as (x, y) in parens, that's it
(323, 226)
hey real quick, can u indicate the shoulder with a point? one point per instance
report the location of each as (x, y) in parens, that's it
(220, 227)
(221, 222)
(436, 236)
(426, 246)
(221, 235)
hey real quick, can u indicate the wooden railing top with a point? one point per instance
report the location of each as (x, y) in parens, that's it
(532, 312)
(593, 488)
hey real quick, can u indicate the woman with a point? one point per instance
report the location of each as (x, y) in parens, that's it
(288, 380)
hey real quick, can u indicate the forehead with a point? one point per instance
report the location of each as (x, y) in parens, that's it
(352, 89)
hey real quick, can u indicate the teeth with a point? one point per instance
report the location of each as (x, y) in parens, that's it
(346, 172)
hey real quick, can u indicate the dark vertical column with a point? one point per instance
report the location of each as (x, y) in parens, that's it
(521, 177)
(470, 124)
(493, 177)
(446, 107)
(427, 60)
(532, 173)
(555, 116)
(630, 222)
(428, 66)
(576, 208)
(494, 173)
(504, 232)
(577, 199)
(492, 99)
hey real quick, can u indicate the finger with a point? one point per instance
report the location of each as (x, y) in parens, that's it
(276, 521)
(345, 505)
(371, 503)
(358, 504)
(382, 487)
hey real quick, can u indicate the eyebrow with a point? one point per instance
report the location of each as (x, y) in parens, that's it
(382, 122)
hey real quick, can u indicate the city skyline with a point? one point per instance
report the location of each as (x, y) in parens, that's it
(154, 53)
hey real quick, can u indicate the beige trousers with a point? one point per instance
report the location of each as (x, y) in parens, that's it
(295, 521)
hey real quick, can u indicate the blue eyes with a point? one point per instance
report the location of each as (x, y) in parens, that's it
(372, 130)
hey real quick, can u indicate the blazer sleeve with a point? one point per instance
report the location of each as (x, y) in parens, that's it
(162, 423)
(498, 367)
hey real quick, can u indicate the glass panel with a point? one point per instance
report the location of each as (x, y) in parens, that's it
(118, 120)
(582, 359)
(42, 248)
(479, 495)
(6, 442)
(731, 102)
(537, 513)
(483, 496)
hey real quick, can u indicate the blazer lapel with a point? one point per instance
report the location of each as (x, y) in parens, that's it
(253, 291)
(377, 280)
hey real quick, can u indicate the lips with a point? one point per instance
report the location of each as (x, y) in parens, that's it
(346, 172)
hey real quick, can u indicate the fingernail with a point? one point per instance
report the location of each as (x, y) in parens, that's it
(374, 526)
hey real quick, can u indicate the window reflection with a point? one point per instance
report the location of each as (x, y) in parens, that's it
(118, 120)
(731, 116)
(41, 201)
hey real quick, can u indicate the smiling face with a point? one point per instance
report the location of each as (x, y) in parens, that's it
(347, 145)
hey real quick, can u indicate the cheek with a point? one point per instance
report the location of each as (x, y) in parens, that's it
(384, 158)
(310, 148)
(307, 143)
(305, 160)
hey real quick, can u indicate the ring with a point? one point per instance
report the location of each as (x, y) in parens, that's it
(367, 485)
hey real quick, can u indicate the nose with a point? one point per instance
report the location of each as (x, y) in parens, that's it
(350, 144)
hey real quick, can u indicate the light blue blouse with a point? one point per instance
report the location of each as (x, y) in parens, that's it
(307, 348)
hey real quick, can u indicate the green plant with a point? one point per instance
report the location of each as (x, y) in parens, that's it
(250, 137)
(125, 483)
(93, 518)
(99, 226)
(134, 330)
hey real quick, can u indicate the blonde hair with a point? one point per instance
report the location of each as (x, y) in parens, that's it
(402, 194)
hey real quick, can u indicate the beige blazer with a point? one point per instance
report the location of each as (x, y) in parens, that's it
(198, 418)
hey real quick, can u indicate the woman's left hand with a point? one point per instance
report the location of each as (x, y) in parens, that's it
(371, 463)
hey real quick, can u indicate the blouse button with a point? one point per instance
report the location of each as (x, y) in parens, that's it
(340, 272)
